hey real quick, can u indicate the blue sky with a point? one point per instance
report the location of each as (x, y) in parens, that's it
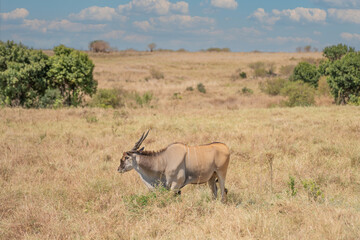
(193, 25)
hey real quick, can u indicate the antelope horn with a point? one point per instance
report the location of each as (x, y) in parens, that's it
(139, 142)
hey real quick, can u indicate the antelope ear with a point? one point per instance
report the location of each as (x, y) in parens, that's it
(141, 149)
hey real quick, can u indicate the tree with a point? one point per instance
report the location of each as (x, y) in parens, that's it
(344, 78)
(307, 73)
(99, 46)
(152, 47)
(23, 75)
(71, 72)
(307, 48)
(335, 52)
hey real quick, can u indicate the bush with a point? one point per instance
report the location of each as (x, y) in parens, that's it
(26, 75)
(238, 74)
(247, 91)
(71, 72)
(23, 75)
(156, 74)
(313, 190)
(299, 94)
(273, 86)
(306, 73)
(242, 75)
(218, 49)
(335, 52)
(144, 99)
(107, 98)
(344, 78)
(201, 88)
(190, 89)
(99, 46)
(51, 99)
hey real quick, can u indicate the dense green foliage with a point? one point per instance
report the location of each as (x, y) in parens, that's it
(29, 78)
(51, 99)
(201, 88)
(344, 78)
(335, 52)
(23, 75)
(306, 73)
(71, 73)
(298, 94)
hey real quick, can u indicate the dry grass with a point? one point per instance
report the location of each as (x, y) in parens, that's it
(58, 173)
(133, 72)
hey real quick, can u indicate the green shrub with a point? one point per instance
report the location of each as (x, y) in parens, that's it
(26, 75)
(218, 49)
(177, 96)
(298, 94)
(273, 86)
(306, 73)
(238, 74)
(23, 75)
(354, 100)
(143, 100)
(313, 190)
(190, 89)
(156, 74)
(242, 75)
(71, 72)
(344, 78)
(107, 98)
(159, 197)
(292, 189)
(201, 88)
(247, 91)
(335, 52)
(51, 99)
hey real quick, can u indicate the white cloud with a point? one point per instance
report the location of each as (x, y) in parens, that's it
(143, 25)
(345, 15)
(182, 21)
(60, 25)
(173, 22)
(181, 7)
(350, 36)
(97, 13)
(18, 13)
(264, 17)
(161, 7)
(283, 40)
(231, 4)
(299, 13)
(340, 3)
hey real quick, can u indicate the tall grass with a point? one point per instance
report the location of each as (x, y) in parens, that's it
(58, 174)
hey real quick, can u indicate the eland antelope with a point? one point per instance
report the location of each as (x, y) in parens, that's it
(178, 165)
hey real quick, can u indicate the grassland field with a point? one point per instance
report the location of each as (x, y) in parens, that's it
(294, 173)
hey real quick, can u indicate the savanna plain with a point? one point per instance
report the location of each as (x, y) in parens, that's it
(294, 173)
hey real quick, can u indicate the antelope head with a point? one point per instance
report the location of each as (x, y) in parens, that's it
(126, 162)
